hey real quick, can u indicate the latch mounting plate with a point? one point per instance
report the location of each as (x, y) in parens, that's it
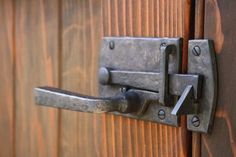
(144, 55)
(140, 54)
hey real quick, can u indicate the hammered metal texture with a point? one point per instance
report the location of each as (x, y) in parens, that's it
(205, 65)
(140, 54)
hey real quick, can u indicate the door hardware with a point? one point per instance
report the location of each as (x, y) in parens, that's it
(148, 72)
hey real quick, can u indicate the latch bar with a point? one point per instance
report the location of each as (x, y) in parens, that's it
(151, 80)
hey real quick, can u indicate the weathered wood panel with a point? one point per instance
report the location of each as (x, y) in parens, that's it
(6, 78)
(107, 135)
(220, 24)
(36, 49)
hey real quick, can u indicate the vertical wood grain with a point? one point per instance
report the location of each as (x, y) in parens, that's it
(220, 23)
(199, 19)
(83, 25)
(198, 34)
(81, 34)
(6, 79)
(36, 46)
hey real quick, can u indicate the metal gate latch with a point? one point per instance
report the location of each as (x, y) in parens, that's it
(140, 78)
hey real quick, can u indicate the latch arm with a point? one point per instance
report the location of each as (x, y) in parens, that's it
(150, 81)
(185, 105)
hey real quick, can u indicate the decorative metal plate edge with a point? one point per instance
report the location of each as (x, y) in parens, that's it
(203, 62)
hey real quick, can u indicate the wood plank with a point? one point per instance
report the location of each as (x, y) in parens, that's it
(198, 34)
(7, 79)
(81, 34)
(84, 22)
(36, 46)
(220, 23)
(199, 19)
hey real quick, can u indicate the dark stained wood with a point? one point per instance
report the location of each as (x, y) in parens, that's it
(108, 135)
(220, 24)
(6, 79)
(196, 144)
(199, 19)
(36, 46)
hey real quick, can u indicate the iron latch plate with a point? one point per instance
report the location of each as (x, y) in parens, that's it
(140, 54)
(143, 55)
(203, 63)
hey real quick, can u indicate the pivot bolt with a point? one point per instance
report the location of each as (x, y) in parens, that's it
(195, 121)
(111, 45)
(104, 75)
(161, 114)
(196, 50)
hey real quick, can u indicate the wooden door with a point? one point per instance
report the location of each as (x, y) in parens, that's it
(220, 23)
(57, 43)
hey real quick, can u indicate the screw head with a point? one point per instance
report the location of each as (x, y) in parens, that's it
(123, 89)
(196, 50)
(195, 121)
(163, 44)
(161, 114)
(111, 45)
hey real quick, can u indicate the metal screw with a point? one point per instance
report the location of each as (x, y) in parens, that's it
(196, 50)
(161, 114)
(163, 44)
(111, 45)
(123, 89)
(195, 121)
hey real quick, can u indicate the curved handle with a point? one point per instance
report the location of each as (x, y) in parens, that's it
(126, 102)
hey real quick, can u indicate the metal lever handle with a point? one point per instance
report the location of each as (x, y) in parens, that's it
(126, 102)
